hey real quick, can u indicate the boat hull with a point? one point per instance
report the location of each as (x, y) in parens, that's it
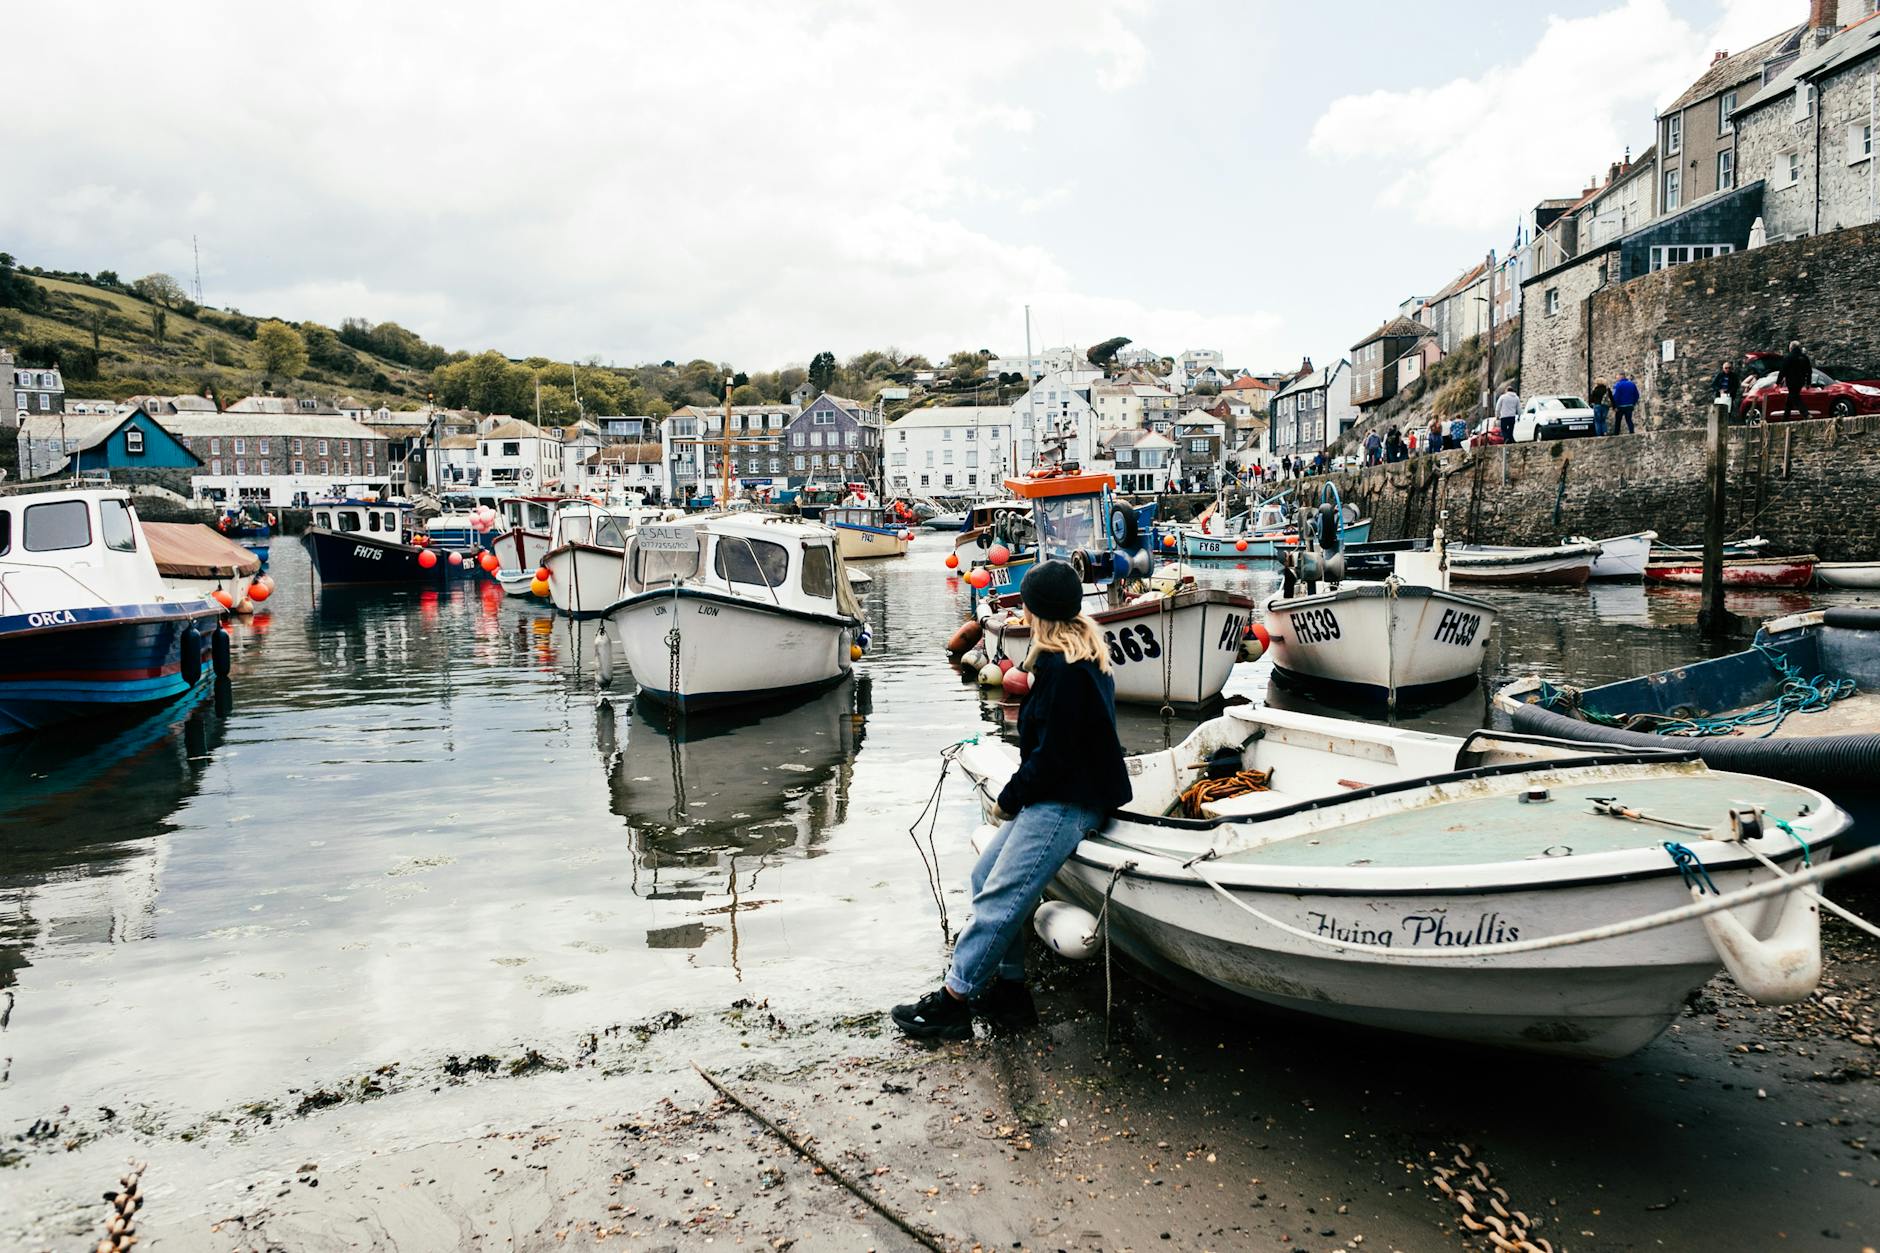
(66, 664)
(583, 580)
(1176, 651)
(696, 649)
(1623, 556)
(1737, 572)
(342, 557)
(1379, 645)
(866, 543)
(1859, 574)
(520, 550)
(1515, 570)
(1191, 546)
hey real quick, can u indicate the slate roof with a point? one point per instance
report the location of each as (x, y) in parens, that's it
(1398, 327)
(1856, 43)
(1732, 71)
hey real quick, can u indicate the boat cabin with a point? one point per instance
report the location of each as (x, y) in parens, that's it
(350, 517)
(1071, 510)
(526, 513)
(782, 561)
(74, 549)
(867, 516)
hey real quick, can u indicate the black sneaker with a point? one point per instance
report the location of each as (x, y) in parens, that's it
(939, 1015)
(1007, 1005)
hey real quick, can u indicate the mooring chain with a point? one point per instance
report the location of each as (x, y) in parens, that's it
(120, 1229)
(1484, 1205)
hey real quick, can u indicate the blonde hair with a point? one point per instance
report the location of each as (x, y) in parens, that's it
(1077, 639)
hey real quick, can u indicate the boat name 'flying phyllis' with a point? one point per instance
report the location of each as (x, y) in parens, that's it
(1431, 930)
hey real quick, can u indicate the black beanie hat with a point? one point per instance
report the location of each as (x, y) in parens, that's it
(1052, 590)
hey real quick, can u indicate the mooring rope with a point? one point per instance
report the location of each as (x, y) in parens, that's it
(1799, 694)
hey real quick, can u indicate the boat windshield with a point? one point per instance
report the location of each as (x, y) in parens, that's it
(739, 560)
(1070, 522)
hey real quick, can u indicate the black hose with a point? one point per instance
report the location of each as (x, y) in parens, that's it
(1852, 618)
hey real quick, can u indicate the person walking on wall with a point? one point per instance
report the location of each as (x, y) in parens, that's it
(1070, 776)
(1507, 409)
(1601, 400)
(1373, 449)
(1798, 371)
(1624, 401)
(1723, 389)
(1458, 432)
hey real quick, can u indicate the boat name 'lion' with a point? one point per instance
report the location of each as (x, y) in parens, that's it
(1431, 930)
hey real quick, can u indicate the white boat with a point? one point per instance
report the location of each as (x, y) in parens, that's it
(523, 541)
(1862, 574)
(1477, 889)
(1555, 565)
(587, 543)
(1621, 556)
(1395, 643)
(1170, 646)
(730, 609)
(866, 532)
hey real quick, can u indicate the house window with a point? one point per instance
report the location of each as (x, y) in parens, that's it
(241, 466)
(1726, 169)
(300, 467)
(923, 480)
(1726, 105)
(511, 448)
(1788, 169)
(798, 461)
(930, 458)
(946, 456)
(297, 449)
(321, 449)
(1674, 189)
(215, 446)
(1859, 142)
(850, 437)
(241, 446)
(264, 448)
(134, 442)
(215, 465)
(972, 457)
(1674, 134)
(1552, 301)
(1664, 256)
(824, 419)
(1804, 101)
(948, 481)
(815, 461)
(267, 467)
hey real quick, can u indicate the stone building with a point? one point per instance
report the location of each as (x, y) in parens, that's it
(832, 441)
(1627, 201)
(1810, 134)
(1696, 142)
(1313, 410)
(1376, 361)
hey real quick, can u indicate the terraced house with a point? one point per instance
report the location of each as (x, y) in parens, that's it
(833, 441)
(279, 451)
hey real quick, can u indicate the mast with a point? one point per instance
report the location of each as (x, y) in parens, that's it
(726, 455)
(1031, 395)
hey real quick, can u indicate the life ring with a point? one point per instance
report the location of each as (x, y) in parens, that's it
(1123, 530)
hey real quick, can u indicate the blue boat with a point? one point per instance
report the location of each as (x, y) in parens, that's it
(1801, 704)
(87, 628)
(254, 534)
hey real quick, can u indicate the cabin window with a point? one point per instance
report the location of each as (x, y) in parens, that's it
(655, 565)
(6, 532)
(739, 560)
(114, 519)
(607, 534)
(349, 520)
(372, 521)
(574, 531)
(391, 521)
(323, 519)
(60, 525)
(819, 572)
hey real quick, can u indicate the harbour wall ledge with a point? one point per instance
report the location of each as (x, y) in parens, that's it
(1807, 486)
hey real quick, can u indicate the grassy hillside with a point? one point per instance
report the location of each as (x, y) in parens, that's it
(199, 349)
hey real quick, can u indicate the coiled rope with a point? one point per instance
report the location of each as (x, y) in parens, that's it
(1799, 694)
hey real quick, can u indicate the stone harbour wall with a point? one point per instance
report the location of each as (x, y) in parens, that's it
(1806, 486)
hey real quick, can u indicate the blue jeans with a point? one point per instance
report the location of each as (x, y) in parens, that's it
(1008, 879)
(1599, 419)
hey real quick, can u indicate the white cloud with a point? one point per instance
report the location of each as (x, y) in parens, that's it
(1477, 152)
(734, 178)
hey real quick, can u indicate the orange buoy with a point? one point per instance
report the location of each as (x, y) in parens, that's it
(222, 597)
(427, 559)
(979, 578)
(1016, 683)
(999, 555)
(539, 587)
(541, 574)
(259, 592)
(456, 559)
(964, 638)
(1240, 545)
(489, 562)
(1168, 541)
(953, 561)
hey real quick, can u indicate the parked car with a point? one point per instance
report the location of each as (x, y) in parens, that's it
(1825, 396)
(1484, 434)
(1553, 417)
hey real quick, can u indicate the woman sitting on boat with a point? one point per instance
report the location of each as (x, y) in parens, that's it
(1070, 776)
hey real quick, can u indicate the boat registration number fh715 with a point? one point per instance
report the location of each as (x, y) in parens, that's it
(1132, 644)
(372, 554)
(1315, 626)
(1457, 627)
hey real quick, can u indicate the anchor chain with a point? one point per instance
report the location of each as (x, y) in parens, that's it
(672, 651)
(120, 1229)
(1484, 1205)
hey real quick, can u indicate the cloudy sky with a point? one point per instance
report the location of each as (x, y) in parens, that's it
(755, 180)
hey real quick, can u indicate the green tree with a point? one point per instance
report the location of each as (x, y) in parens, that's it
(159, 323)
(109, 278)
(160, 289)
(965, 365)
(283, 351)
(822, 371)
(1100, 355)
(325, 351)
(95, 318)
(16, 290)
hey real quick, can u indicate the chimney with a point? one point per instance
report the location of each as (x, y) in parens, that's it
(1719, 55)
(1824, 21)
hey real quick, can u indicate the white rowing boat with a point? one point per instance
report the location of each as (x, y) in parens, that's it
(1477, 889)
(1860, 574)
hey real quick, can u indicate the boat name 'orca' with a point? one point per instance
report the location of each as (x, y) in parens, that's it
(1457, 627)
(1431, 930)
(55, 617)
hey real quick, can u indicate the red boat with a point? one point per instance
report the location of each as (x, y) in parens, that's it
(1737, 571)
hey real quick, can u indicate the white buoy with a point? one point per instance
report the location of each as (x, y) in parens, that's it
(604, 658)
(974, 660)
(991, 676)
(1070, 930)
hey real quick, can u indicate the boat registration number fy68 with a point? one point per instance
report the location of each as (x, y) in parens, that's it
(1315, 626)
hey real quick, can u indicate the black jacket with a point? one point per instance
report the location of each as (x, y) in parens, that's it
(1067, 745)
(1601, 394)
(1797, 371)
(1724, 383)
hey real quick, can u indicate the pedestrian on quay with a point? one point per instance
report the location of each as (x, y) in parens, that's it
(1436, 435)
(1724, 385)
(1373, 449)
(1318, 462)
(1601, 400)
(1070, 776)
(1394, 449)
(1798, 371)
(1624, 401)
(1507, 409)
(1458, 432)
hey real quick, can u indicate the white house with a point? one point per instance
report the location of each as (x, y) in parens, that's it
(279, 454)
(1045, 362)
(963, 451)
(1055, 411)
(518, 455)
(454, 461)
(612, 471)
(1128, 406)
(1142, 460)
(1196, 364)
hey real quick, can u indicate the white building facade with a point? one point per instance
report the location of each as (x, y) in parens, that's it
(960, 452)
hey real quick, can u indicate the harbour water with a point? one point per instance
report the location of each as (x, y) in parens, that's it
(420, 838)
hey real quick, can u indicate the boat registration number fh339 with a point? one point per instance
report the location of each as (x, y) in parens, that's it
(1315, 626)
(1458, 627)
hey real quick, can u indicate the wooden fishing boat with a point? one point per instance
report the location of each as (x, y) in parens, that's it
(1857, 574)
(86, 626)
(363, 541)
(732, 609)
(1499, 889)
(1801, 704)
(866, 532)
(199, 560)
(1745, 572)
(586, 548)
(1557, 565)
(521, 539)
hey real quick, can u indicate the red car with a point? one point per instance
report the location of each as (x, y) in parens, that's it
(1825, 396)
